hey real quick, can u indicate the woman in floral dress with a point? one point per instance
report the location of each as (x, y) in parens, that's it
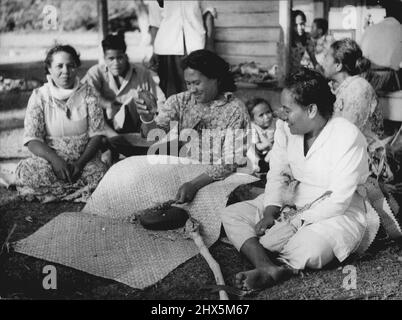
(62, 129)
(356, 99)
(208, 104)
(302, 46)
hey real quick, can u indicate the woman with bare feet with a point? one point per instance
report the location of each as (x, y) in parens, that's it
(322, 160)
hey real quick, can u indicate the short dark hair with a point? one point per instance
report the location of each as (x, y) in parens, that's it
(311, 87)
(296, 13)
(212, 66)
(114, 42)
(322, 24)
(61, 48)
(348, 52)
(252, 103)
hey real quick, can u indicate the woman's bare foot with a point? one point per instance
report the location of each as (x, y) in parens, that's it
(261, 278)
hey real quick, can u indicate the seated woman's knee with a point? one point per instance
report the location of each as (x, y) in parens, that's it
(228, 214)
(307, 250)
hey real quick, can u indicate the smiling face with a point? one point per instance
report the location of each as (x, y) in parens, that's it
(298, 118)
(203, 88)
(300, 25)
(63, 70)
(262, 115)
(117, 62)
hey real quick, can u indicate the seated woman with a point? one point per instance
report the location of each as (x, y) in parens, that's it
(63, 127)
(208, 103)
(328, 158)
(356, 99)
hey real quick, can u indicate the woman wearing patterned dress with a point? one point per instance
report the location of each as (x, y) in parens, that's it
(208, 104)
(62, 129)
(302, 47)
(356, 99)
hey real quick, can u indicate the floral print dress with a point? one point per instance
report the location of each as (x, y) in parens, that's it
(66, 127)
(301, 51)
(357, 101)
(225, 118)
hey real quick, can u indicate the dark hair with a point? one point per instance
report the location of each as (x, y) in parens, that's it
(61, 48)
(393, 8)
(322, 24)
(311, 87)
(348, 52)
(252, 103)
(212, 66)
(114, 42)
(296, 13)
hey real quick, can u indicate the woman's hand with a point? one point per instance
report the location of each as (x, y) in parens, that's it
(188, 190)
(75, 171)
(146, 105)
(186, 193)
(393, 188)
(61, 169)
(264, 224)
(267, 221)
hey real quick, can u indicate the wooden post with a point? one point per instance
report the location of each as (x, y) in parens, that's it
(326, 9)
(103, 18)
(285, 21)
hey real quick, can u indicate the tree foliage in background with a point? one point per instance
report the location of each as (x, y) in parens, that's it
(27, 15)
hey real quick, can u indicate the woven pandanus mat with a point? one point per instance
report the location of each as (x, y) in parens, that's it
(100, 241)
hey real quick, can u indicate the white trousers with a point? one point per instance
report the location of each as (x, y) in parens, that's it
(297, 247)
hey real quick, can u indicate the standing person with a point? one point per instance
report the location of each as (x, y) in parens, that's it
(62, 129)
(301, 43)
(118, 83)
(185, 26)
(382, 44)
(321, 39)
(327, 156)
(356, 99)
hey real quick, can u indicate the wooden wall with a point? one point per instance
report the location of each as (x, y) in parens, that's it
(247, 31)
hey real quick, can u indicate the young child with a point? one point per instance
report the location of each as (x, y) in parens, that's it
(262, 133)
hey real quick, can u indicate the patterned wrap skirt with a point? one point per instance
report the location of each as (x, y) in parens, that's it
(35, 178)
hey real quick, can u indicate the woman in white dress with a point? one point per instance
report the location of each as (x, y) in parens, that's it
(327, 158)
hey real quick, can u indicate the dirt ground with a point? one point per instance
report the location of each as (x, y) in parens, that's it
(378, 273)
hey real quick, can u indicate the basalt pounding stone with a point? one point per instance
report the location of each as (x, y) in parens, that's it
(163, 217)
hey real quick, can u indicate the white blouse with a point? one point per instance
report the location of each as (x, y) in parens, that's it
(338, 162)
(48, 117)
(182, 27)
